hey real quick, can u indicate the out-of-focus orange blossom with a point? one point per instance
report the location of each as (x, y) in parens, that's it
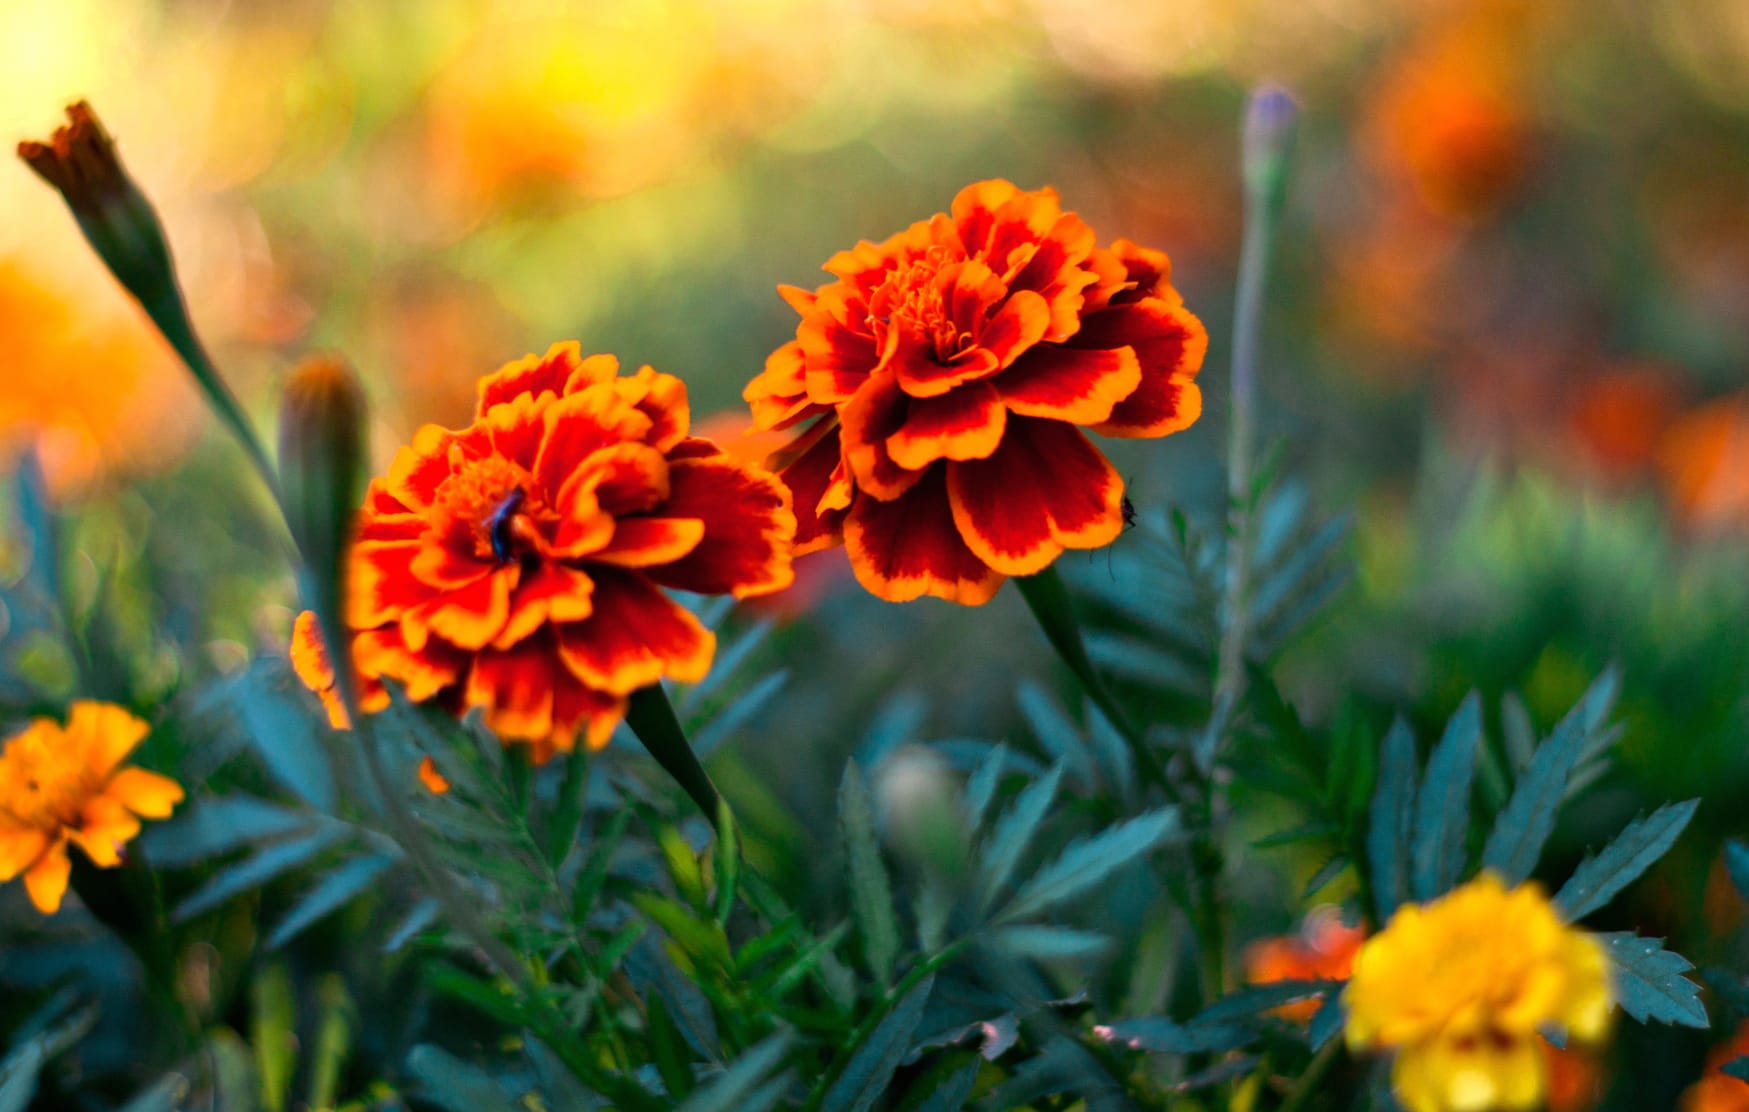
(1718, 1091)
(1704, 461)
(1618, 416)
(1322, 950)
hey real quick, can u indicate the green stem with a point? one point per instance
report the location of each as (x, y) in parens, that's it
(1049, 600)
(651, 717)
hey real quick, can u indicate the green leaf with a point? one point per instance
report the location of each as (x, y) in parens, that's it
(741, 710)
(1442, 810)
(1326, 873)
(870, 1069)
(594, 872)
(1047, 942)
(1262, 998)
(726, 863)
(1525, 823)
(273, 1033)
(257, 869)
(1649, 980)
(1160, 1035)
(558, 1085)
(871, 894)
(18, 1073)
(1054, 730)
(1737, 1067)
(652, 971)
(1087, 862)
(668, 1048)
(731, 1090)
(1014, 832)
(1737, 865)
(701, 940)
(1597, 879)
(338, 888)
(419, 916)
(455, 1085)
(279, 719)
(981, 786)
(952, 1094)
(217, 825)
(1387, 833)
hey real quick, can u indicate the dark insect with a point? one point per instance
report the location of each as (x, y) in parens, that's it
(1128, 509)
(498, 526)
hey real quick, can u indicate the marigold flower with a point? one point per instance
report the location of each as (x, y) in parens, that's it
(1461, 987)
(61, 784)
(517, 564)
(1718, 1091)
(1322, 950)
(944, 379)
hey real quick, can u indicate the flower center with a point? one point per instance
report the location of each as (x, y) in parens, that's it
(44, 792)
(486, 502)
(913, 298)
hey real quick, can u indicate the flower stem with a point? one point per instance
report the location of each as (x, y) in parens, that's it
(1049, 599)
(651, 717)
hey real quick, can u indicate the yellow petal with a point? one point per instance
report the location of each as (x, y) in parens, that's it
(19, 849)
(105, 732)
(46, 881)
(144, 793)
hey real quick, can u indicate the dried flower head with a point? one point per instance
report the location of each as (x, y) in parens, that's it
(944, 380)
(518, 564)
(61, 784)
(1460, 988)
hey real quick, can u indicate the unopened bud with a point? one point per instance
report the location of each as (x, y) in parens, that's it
(321, 466)
(1267, 144)
(918, 799)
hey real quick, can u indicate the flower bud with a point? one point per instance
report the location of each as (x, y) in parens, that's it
(1267, 144)
(917, 796)
(321, 466)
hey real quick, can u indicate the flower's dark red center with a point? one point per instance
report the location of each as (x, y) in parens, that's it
(913, 298)
(486, 504)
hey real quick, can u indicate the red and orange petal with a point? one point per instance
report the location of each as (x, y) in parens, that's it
(910, 547)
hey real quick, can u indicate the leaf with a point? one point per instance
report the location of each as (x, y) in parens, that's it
(558, 1085)
(897, 720)
(1649, 980)
(1047, 942)
(981, 786)
(1159, 1035)
(729, 1091)
(455, 1085)
(18, 1073)
(1014, 832)
(255, 870)
(1387, 833)
(742, 709)
(217, 825)
(871, 1067)
(1326, 1022)
(1088, 862)
(1524, 824)
(1737, 1067)
(1262, 998)
(1055, 731)
(1326, 873)
(1737, 865)
(279, 720)
(951, 1095)
(1442, 809)
(1597, 879)
(651, 970)
(335, 890)
(871, 894)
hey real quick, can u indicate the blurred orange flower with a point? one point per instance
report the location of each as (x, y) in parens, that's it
(1718, 1091)
(518, 564)
(61, 784)
(1323, 949)
(1704, 462)
(945, 373)
(1618, 415)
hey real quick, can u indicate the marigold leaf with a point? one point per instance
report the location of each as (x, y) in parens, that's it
(1142, 661)
(420, 916)
(1014, 833)
(338, 888)
(1637, 848)
(651, 970)
(1048, 942)
(1261, 998)
(1326, 873)
(1649, 980)
(871, 894)
(897, 720)
(255, 870)
(1387, 834)
(1326, 1022)
(981, 786)
(1524, 824)
(217, 825)
(1055, 731)
(871, 1066)
(1112, 752)
(455, 1085)
(1442, 809)
(279, 719)
(1160, 1035)
(1737, 1067)
(952, 1093)
(742, 709)
(1087, 862)
(734, 1088)
(1737, 865)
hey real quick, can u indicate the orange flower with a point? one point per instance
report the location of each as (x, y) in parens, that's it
(517, 564)
(945, 373)
(1719, 1091)
(1704, 459)
(61, 784)
(1323, 950)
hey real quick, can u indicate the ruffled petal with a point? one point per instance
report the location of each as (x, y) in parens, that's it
(1021, 323)
(383, 653)
(381, 587)
(838, 352)
(468, 618)
(437, 564)
(580, 424)
(46, 880)
(515, 686)
(661, 398)
(749, 527)
(105, 826)
(636, 636)
(909, 547)
(1047, 488)
(146, 794)
(966, 424)
(418, 469)
(819, 481)
(914, 365)
(627, 478)
(20, 846)
(554, 593)
(1169, 343)
(640, 542)
(1068, 384)
(578, 709)
(560, 371)
(107, 733)
(866, 421)
(778, 395)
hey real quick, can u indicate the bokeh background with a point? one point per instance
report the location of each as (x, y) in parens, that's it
(1508, 330)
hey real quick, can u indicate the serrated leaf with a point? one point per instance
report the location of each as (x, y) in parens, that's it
(1048, 942)
(18, 1073)
(1637, 848)
(1523, 826)
(1160, 1035)
(335, 890)
(255, 870)
(1442, 809)
(1112, 752)
(1261, 998)
(455, 1085)
(871, 893)
(217, 825)
(870, 1069)
(1389, 818)
(731, 1090)
(1649, 980)
(1014, 832)
(1086, 863)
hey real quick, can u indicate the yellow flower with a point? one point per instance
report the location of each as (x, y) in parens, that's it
(1460, 988)
(66, 784)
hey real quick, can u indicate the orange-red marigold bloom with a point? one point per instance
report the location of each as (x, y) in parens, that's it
(944, 379)
(61, 784)
(518, 564)
(1323, 949)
